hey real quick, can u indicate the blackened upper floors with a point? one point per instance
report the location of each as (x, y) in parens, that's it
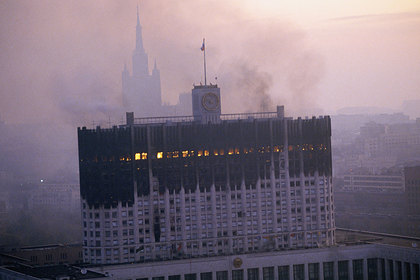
(117, 162)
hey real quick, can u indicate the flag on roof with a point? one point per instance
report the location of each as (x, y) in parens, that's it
(203, 47)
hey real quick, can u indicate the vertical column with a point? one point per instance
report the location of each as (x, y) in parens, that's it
(318, 207)
(394, 264)
(135, 222)
(198, 211)
(412, 272)
(245, 225)
(387, 276)
(120, 240)
(183, 222)
(273, 207)
(167, 221)
(291, 272)
(302, 189)
(350, 269)
(214, 216)
(335, 270)
(259, 212)
(306, 270)
(403, 271)
(330, 208)
(229, 218)
(276, 272)
(379, 268)
(365, 269)
(321, 271)
(287, 177)
(260, 273)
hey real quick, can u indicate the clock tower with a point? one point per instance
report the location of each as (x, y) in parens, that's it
(206, 105)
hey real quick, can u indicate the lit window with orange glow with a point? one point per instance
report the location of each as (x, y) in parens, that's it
(230, 152)
(290, 148)
(276, 149)
(175, 154)
(137, 156)
(237, 151)
(199, 153)
(245, 150)
(184, 153)
(159, 155)
(206, 153)
(143, 155)
(215, 152)
(122, 158)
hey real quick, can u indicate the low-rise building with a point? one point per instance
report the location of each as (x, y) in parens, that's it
(48, 254)
(374, 183)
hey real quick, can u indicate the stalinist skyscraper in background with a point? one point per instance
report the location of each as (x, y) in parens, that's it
(141, 91)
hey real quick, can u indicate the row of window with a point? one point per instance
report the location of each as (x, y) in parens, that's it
(375, 267)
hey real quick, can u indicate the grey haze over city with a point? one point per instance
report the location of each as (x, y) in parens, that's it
(61, 65)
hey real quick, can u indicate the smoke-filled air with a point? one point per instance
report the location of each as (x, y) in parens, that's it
(61, 66)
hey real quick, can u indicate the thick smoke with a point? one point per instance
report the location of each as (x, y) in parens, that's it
(62, 63)
(252, 84)
(258, 63)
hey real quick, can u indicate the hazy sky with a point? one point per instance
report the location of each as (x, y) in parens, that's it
(62, 60)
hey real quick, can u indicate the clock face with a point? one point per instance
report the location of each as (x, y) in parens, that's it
(210, 101)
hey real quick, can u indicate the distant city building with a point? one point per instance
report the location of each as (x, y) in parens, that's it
(375, 145)
(373, 183)
(383, 203)
(205, 185)
(141, 91)
(412, 108)
(412, 190)
(65, 197)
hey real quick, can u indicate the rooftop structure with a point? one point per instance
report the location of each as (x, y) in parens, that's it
(53, 272)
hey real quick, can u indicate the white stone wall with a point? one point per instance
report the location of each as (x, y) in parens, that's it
(276, 213)
(380, 254)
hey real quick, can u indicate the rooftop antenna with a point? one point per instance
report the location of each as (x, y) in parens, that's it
(203, 49)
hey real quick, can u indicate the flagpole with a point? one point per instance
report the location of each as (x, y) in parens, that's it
(205, 74)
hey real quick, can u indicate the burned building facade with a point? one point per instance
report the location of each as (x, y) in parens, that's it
(205, 185)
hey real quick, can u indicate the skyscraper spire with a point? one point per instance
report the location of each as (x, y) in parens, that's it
(155, 71)
(138, 20)
(141, 91)
(139, 40)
